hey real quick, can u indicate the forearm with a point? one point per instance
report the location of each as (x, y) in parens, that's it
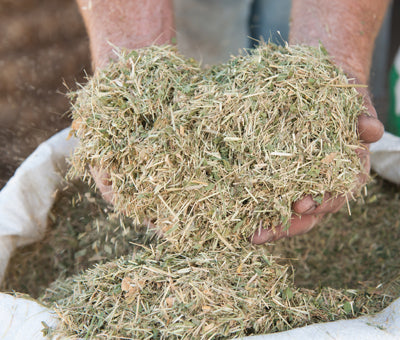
(346, 28)
(125, 23)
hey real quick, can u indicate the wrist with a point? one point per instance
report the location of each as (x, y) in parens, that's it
(125, 24)
(346, 28)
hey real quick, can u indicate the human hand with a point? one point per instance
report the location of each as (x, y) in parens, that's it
(103, 183)
(347, 30)
(307, 212)
(123, 24)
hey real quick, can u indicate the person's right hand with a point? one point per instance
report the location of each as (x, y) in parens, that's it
(123, 24)
(103, 183)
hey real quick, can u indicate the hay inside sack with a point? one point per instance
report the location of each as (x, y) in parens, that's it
(208, 156)
(354, 255)
(209, 294)
(219, 151)
(81, 231)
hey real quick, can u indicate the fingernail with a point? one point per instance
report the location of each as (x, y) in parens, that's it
(106, 182)
(263, 235)
(311, 209)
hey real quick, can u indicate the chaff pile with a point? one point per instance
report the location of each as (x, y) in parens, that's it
(208, 156)
(212, 294)
(344, 252)
(81, 232)
(223, 150)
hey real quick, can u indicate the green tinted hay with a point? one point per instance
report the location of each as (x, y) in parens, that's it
(209, 156)
(222, 150)
(343, 252)
(82, 231)
(357, 251)
(210, 294)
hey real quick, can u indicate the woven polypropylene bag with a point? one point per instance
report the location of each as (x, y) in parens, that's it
(28, 196)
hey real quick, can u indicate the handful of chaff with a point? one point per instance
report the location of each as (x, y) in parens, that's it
(222, 150)
(209, 155)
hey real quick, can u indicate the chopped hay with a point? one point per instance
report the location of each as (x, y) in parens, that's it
(82, 231)
(219, 151)
(209, 156)
(357, 251)
(354, 255)
(208, 294)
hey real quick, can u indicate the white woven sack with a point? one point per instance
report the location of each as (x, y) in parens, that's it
(28, 196)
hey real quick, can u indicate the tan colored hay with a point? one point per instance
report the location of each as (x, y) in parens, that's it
(216, 153)
(221, 293)
(210, 294)
(209, 156)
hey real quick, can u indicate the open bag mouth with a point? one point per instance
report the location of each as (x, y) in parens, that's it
(25, 215)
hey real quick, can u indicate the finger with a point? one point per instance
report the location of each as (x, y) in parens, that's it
(364, 155)
(305, 205)
(147, 222)
(103, 183)
(367, 101)
(298, 225)
(329, 204)
(370, 129)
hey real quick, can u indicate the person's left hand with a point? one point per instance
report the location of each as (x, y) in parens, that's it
(307, 212)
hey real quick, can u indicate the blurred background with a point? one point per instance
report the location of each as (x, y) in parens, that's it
(43, 44)
(44, 51)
